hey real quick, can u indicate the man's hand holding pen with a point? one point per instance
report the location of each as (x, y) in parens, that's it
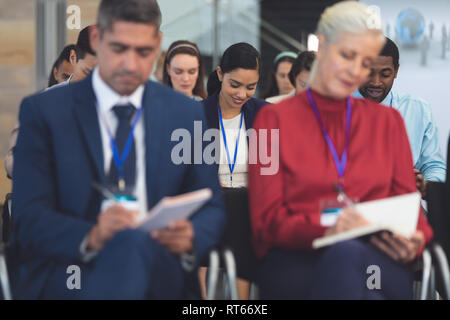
(114, 219)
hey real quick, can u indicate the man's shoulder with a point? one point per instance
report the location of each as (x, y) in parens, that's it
(413, 107)
(411, 102)
(54, 96)
(58, 85)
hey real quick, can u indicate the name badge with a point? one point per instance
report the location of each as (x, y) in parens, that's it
(127, 202)
(330, 210)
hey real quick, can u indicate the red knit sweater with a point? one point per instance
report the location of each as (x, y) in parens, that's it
(285, 206)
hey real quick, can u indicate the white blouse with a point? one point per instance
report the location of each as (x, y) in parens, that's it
(240, 169)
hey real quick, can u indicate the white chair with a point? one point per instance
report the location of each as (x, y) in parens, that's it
(4, 279)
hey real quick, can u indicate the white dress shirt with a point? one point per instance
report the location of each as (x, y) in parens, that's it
(107, 98)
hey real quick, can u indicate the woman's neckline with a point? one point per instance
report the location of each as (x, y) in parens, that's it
(327, 103)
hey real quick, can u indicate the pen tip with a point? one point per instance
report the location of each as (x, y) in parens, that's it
(336, 187)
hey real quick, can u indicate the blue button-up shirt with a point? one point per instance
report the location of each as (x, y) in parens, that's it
(422, 133)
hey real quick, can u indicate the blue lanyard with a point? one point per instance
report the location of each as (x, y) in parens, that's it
(120, 159)
(340, 163)
(230, 165)
(392, 97)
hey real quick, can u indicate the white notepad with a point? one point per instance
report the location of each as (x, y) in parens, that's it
(173, 208)
(397, 214)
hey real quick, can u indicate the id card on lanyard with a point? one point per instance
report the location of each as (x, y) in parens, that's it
(231, 165)
(340, 163)
(119, 159)
(331, 208)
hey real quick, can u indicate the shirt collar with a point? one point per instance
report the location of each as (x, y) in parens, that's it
(388, 100)
(107, 98)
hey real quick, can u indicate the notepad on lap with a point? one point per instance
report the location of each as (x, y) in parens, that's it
(173, 208)
(397, 214)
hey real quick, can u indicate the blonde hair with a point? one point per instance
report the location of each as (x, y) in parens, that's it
(347, 16)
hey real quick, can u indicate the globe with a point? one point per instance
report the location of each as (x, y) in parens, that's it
(410, 26)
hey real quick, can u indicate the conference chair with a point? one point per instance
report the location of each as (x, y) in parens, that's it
(7, 218)
(4, 278)
(235, 252)
(438, 202)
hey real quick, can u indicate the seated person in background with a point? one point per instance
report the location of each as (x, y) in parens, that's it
(63, 66)
(86, 61)
(279, 83)
(183, 69)
(301, 70)
(75, 136)
(329, 139)
(422, 131)
(231, 109)
(158, 73)
(86, 57)
(298, 76)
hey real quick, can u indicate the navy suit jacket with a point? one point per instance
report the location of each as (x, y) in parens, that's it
(59, 154)
(250, 109)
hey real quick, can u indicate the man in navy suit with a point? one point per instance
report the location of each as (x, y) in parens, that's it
(113, 129)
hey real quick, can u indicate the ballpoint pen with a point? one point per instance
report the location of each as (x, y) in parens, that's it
(342, 196)
(104, 191)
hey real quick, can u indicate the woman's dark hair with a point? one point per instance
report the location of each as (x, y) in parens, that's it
(239, 55)
(63, 56)
(190, 48)
(272, 87)
(304, 61)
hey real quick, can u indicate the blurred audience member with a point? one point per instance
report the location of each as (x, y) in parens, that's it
(63, 66)
(231, 109)
(183, 69)
(419, 121)
(279, 83)
(86, 57)
(332, 147)
(158, 73)
(298, 76)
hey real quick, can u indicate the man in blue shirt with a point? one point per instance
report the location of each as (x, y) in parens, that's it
(420, 124)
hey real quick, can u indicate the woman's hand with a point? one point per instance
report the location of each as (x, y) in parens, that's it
(347, 220)
(398, 247)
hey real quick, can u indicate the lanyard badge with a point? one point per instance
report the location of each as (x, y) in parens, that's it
(230, 165)
(340, 163)
(119, 159)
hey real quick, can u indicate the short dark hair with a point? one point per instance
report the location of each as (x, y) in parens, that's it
(63, 56)
(239, 55)
(390, 49)
(304, 61)
(83, 46)
(138, 11)
(190, 48)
